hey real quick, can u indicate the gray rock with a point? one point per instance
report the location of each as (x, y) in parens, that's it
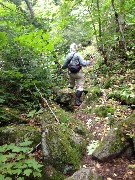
(110, 147)
(85, 174)
(17, 133)
(116, 141)
(61, 147)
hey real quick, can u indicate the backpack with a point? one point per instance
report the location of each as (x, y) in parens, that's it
(74, 68)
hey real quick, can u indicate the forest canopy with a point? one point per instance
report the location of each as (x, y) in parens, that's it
(35, 36)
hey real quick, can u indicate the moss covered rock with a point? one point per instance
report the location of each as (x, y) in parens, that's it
(9, 116)
(65, 97)
(17, 133)
(50, 173)
(127, 98)
(116, 140)
(62, 147)
(85, 174)
(64, 117)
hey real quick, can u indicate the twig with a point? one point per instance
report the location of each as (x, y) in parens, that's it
(47, 104)
(34, 149)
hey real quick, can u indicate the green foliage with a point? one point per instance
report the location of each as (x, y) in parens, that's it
(104, 110)
(9, 115)
(28, 56)
(34, 112)
(125, 94)
(108, 83)
(17, 163)
(94, 94)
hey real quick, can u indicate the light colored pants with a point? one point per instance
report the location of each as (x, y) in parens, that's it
(76, 79)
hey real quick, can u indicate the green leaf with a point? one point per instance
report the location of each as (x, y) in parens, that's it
(20, 157)
(27, 172)
(37, 174)
(3, 158)
(40, 111)
(3, 37)
(31, 113)
(1, 100)
(8, 178)
(16, 149)
(25, 143)
(21, 165)
(3, 148)
(17, 171)
(46, 36)
(20, 178)
(2, 177)
(50, 47)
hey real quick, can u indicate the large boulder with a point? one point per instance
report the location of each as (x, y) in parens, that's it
(117, 140)
(65, 97)
(85, 174)
(62, 148)
(10, 116)
(17, 133)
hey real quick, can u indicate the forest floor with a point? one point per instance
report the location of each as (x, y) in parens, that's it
(118, 168)
(114, 169)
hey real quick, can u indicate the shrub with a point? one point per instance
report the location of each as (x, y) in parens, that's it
(94, 94)
(103, 111)
(17, 163)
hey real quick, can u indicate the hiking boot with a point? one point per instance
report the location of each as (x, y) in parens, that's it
(77, 99)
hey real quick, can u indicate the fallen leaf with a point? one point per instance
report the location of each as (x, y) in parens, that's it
(98, 165)
(109, 178)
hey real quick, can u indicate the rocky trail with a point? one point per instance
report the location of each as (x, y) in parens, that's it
(98, 125)
(113, 169)
(118, 168)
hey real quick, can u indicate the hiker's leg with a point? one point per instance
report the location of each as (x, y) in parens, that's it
(79, 84)
(80, 81)
(71, 81)
(77, 98)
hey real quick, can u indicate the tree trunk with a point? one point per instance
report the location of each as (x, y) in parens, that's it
(119, 21)
(101, 48)
(89, 10)
(30, 8)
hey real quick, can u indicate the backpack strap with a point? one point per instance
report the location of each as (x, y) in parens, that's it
(71, 58)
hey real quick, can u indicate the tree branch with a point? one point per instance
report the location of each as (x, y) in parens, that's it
(30, 8)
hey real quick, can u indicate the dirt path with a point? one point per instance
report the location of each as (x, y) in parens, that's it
(114, 169)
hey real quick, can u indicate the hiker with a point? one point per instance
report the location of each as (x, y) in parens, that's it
(74, 62)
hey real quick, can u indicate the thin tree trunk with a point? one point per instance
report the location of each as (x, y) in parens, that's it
(99, 20)
(100, 34)
(120, 27)
(89, 10)
(30, 8)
